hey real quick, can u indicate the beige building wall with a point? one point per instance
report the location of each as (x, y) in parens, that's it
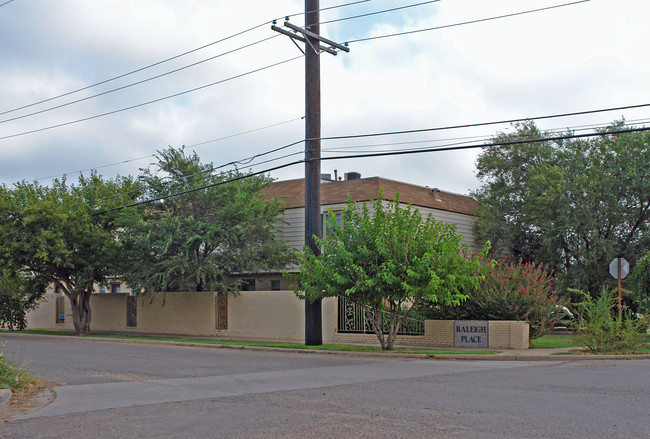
(45, 316)
(258, 315)
(265, 315)
(292, 231)
(508, 334)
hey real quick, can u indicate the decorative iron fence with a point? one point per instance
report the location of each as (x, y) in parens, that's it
(352, 319)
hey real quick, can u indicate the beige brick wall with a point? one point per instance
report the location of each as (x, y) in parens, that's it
(439, 333)
(260, 315)
(508, 334)
(265, 315)
(44, 317)
(183, 314)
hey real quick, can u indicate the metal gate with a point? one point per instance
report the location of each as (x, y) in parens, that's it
(352, 319)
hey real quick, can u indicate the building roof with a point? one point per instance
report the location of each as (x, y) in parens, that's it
(292, 194)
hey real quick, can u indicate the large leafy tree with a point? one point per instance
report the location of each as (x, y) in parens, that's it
(388, 258)
(573, 204)
(202, 240)
(640, 284)
(19, 293)
(58, 235)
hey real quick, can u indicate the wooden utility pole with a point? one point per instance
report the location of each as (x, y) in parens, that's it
(313, 313)
(310, 35)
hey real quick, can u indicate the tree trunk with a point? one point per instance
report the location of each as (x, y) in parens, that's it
(393, 328)
(80, 305)
(374, 317)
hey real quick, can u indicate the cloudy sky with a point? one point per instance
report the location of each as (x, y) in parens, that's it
(250, 94)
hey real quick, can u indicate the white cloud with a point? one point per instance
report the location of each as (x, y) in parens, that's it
(579, 57)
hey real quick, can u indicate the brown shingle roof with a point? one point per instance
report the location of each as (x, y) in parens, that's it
(292, 194)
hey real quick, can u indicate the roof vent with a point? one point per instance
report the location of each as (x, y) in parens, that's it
(436, 194)
(352, 176)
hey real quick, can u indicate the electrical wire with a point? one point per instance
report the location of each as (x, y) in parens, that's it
(214, 168)
(149, 102)
(164, 60)
(468, 142)
(137, 70)
(390, 133)
(482, 145)
(479, 124)
(507, 121)
(139, 82)
(465, 22)
(486, 137)
(5, 3)
(355, 156)
(153, 155)
(379, 12)
(326, 9)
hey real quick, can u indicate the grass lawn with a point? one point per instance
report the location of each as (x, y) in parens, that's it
(12, 376)
(553, 341)
(282, 345)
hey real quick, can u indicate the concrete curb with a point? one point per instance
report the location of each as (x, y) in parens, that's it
(5, 396)
(505, 355)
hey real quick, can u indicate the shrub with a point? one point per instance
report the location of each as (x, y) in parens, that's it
(600, 329)
(12, 376)
(640, 284)
(509, 291)
(18, 295)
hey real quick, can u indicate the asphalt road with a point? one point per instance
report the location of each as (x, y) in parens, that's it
(115, 390)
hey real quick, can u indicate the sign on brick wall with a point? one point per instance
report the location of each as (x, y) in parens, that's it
(471, 333)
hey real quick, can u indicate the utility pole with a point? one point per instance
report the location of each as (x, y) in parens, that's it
(313, 310)
(310, 35)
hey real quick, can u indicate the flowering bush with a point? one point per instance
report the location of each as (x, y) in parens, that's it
(509, 291)
(520, 291)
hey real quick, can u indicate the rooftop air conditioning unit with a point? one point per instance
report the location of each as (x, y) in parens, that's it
(352, 176)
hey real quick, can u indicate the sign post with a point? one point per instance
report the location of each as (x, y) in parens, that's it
(619, 268)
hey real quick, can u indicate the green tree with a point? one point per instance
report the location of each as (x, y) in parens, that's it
(572, 204)
(388, 257)
(202, 240)
(640, 284)
(54, 235)
(509, 291)
(19, 293)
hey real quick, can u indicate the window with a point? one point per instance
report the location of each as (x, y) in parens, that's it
(102, 288)
(275, 285)
(59, 306)
(324, 218)
(247, 285)
(115, 287)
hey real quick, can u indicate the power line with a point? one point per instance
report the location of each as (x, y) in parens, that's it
(149, 102)
(453, 127)
(5, 3)
(162, 61)
(467, 139)
(246, 132)
(137, 70)
(487, 145)
(355, 156)
(248, 159)
(466, 22)
(232, 180)
(379, 12)
(327, 8)
(389, 133)
(138, 82)
(214, 168)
